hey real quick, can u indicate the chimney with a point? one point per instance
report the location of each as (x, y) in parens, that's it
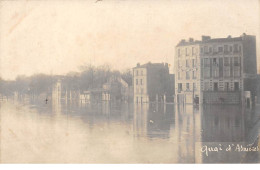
(205, 38)
(243, 35)
(138, 64)
(229, 36)
(191, 40)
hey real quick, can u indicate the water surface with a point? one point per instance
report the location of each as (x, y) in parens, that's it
(59, 132)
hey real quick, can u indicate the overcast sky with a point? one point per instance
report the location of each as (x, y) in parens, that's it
(56, 37)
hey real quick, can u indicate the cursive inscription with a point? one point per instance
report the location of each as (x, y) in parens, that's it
(205, 149)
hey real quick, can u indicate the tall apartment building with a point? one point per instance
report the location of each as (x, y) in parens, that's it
(151, 82)
(221, 70)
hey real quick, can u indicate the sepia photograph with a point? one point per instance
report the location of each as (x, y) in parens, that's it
(129, 82)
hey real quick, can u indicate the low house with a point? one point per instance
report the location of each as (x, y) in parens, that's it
(94, 96)
(115, 89)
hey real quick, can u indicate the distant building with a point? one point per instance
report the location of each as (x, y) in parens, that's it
(151, 82)
(96, 95)
(170, 88)
(115, 89)
(118, 89)
(221, 70)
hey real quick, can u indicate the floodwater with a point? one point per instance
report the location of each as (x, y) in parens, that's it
(59, 132)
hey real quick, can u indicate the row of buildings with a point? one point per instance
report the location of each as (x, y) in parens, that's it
(115, 89)
(210, 70)
(219, 70)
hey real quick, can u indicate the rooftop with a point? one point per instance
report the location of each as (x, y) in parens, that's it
(208, 39)
(149, 64)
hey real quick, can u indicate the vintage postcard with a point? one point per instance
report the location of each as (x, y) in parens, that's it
(125, 81)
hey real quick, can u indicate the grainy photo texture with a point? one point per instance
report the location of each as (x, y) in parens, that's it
(125, 81)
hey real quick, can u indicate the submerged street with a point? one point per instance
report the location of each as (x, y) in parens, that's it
(57, 132)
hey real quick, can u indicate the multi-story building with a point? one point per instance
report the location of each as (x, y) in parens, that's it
(151, 82)
(221, 70)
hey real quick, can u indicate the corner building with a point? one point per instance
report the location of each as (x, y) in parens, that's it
(221, 70)
(151, 82)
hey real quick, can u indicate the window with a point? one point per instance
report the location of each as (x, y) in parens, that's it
(194, 86)
(207, 72)
(236, 61)
(136, 81)
(179, 52)
(193, 63)
(225, 48)
(237, 71)
(179, 75)
(141, 72)
(186, 51)
(187, 63)
(205, 49)
(206, 62)
(220, 49)
(210, 49)
(201, 50)
(215, 62)
(239, 48)
(179, 63)
(136, 73)
(215, 49)
(226, 72)
(226, 86)
(194, 74)
(187, 86)
(187, 75)
(179, 87)
(141, 81)
(226, 61)
(215, 86)
(215, 72)
(236, 86)
(193, 50)
(230, 48)
(206, 86)
(235, 47)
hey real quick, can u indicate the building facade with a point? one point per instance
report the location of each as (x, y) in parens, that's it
(151, 82)
(114, 90)
(218, 70)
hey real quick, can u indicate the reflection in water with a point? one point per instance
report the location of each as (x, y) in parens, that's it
(187, 132)
(153, 120)
(223, 124)
(66, 132)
